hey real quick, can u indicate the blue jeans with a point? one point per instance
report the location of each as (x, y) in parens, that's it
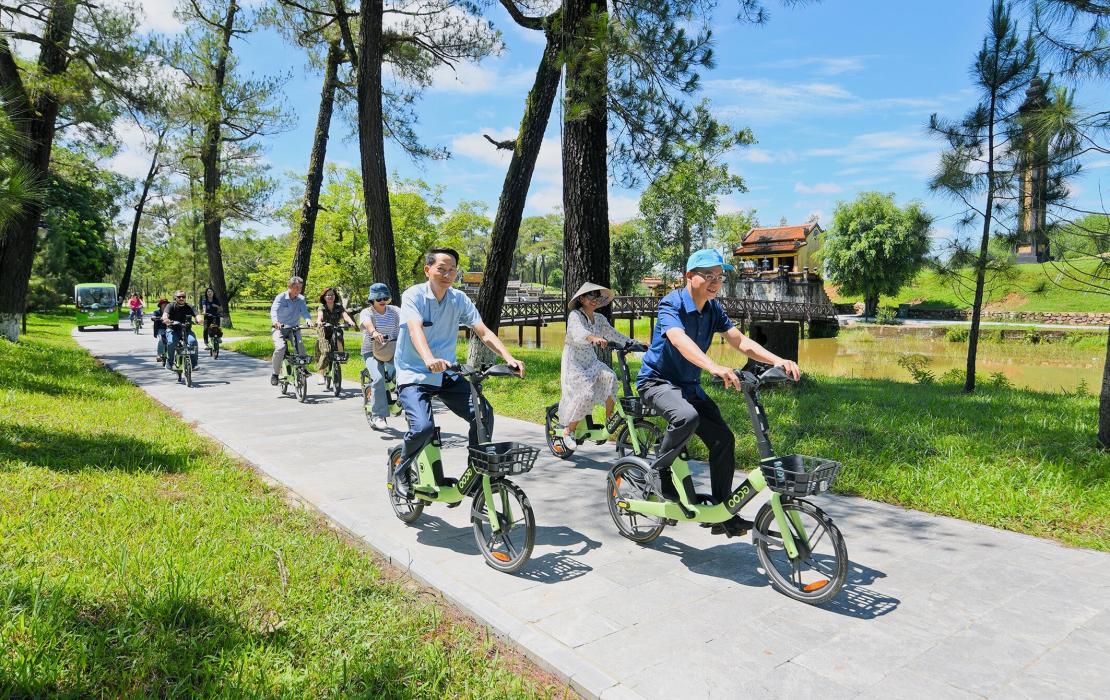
(171, 342)
(416, 400)
(380, 406)
(160, 335)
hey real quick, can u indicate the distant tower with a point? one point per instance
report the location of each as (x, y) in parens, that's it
(1031, 244)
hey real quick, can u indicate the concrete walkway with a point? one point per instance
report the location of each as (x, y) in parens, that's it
(934, 607)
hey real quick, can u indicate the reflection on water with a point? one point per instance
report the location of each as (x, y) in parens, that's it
(1046, 367)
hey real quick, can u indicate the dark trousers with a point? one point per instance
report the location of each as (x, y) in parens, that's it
(687, 416)
(416, 400)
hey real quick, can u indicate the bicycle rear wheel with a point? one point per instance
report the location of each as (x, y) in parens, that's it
(508, 549)
(408, 509)
(628, 481)
(818, 573)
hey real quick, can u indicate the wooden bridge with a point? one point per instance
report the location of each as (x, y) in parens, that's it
(742, 311)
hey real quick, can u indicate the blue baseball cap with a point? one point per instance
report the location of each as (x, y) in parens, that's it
(379, 291)
(705, 258)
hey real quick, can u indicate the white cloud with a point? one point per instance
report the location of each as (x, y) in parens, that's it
(476, 79)
(824, 65)
(818, 188)
(623, 207)
(133, 157)
(157, 15)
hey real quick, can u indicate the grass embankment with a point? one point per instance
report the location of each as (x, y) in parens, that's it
(1010, 458)
(137, 559)
(1036, 288)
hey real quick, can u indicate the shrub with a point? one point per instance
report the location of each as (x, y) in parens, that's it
(887, 316)
(953, 376)
(957, 334)
(915, 364)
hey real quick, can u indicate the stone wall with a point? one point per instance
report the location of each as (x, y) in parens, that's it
(801, 287)
(1067, 318)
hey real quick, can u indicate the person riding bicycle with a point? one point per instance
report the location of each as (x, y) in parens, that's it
(179, 312)
(586, 380)
(136, 305)
(430, 317)
(159, 328)
(378, 321)
(210, 306)
(669, 378)
(332, 312)
(289, 309)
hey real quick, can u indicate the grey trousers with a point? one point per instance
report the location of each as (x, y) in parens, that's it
(686, 417)
(279, 348)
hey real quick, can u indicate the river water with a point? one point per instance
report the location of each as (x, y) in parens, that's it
(1044, 367)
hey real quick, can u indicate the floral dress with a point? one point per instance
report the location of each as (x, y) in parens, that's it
(586, 381)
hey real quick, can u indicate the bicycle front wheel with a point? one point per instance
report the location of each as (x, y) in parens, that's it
(188, 371)
(507, 549)
(214, 349)
(337, 380)
(818, 573)
(302, 384)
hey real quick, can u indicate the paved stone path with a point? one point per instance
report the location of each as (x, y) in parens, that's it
(934, 608)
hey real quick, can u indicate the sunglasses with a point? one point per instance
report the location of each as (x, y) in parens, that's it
(180, 297)
(595, 295)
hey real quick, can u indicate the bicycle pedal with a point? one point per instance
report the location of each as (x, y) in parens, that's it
(454, 505)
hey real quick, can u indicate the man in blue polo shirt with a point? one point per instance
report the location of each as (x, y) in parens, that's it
(431, 314)
(670, 377)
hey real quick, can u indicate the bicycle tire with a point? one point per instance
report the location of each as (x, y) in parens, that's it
(647, 434)
(337, 380)
(214, 349)
(302, 385)
(553, 430)
(367, 404)
(188, 369)
(628, 480)
(408, 509)
(796, 587)
(499, 550)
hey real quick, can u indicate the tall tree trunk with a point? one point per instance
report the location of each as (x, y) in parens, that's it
(40, 115)
(981, 264)
(585, 131)
(210, 162)
(310, 207)
(514, 193)
(1104, 401)
(371, 146)
(125, 282)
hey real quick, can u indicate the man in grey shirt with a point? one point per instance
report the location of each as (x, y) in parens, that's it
(289, 309)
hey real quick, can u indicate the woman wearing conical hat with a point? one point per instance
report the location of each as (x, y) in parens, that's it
(586, 381)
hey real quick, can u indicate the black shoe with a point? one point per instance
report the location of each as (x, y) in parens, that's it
(401, 484)
(733, 527)
(273, 380)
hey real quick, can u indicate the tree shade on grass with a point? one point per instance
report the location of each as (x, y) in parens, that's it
(136, 559)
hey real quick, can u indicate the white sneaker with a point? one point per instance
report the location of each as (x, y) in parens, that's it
(570, 442)
(378, 423)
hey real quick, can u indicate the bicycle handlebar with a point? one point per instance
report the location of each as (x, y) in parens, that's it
(625, 348)
(480, 373)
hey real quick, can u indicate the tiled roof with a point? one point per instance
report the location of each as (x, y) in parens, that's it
(774, 239)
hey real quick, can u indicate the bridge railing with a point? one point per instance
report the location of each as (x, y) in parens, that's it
(553, 310)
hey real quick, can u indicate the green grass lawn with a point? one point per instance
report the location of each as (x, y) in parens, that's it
(1037, 288)
(137, 559)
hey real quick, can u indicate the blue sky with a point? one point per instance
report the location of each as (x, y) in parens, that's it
(837, 94)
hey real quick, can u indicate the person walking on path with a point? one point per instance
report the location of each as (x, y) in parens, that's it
(670, 377)
(179, 312)
(289, 309)
(586, 380)
(332, 312)
(430, 317)
(379, 321)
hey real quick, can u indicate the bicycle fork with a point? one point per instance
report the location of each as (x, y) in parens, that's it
(491, 511)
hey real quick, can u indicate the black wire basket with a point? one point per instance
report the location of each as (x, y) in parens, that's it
(799, 475)
(503, 458)
(634, 406)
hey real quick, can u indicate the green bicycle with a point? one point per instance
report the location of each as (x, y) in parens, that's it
(333, 363)
(294, 368)
(800, 548)
(182, 358)
(500, 513)
(389, 377)
(633, 434)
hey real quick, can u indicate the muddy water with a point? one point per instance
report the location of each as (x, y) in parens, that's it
(1045, 367)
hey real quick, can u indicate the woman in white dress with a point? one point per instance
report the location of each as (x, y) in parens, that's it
(586, 381)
